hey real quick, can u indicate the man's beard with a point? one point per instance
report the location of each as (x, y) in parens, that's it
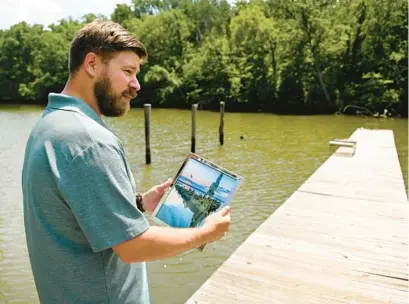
(110, 104)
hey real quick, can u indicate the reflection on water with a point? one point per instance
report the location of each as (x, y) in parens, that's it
(16, 281)
(276, 155)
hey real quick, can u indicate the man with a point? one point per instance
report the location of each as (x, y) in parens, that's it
(87, 240)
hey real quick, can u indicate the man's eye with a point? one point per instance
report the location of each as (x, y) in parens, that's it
(129, 72)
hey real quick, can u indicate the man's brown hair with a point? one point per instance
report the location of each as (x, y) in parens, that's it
(103, 38)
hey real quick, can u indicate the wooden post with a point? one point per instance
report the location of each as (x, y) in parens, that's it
(221, 127)
(147, 108)
(194, 111)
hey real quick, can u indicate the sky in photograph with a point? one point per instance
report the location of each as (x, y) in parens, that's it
(205, 175)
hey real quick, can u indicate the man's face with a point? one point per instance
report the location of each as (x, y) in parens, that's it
(117, 85)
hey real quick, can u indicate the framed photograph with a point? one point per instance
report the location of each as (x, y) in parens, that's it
(199, 188)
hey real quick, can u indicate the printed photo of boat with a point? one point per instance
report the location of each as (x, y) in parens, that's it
(199, 191)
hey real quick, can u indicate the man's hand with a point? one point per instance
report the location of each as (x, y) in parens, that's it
(151, 198)
(218, 223)
(163, 242)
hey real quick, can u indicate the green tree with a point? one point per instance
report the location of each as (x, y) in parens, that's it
(311, 56)
(254, 44)
(165, 36)
(374, 71)
(17, 59)
(209, 76)
(122, 13)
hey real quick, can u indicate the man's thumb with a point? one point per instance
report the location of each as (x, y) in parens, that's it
(225, 211)
(166, 184)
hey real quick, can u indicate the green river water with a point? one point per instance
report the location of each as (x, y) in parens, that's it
(276, 155)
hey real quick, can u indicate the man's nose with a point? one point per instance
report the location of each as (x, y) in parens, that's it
(135, 84)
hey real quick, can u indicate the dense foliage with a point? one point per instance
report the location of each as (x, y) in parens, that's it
(282, 56)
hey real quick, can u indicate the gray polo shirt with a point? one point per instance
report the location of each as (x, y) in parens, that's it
(79, 201)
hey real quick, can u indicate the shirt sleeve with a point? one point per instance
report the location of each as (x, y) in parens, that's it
(97, 188)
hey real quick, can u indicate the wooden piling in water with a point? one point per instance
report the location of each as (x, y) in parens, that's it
(147, 108)
(194, 111)
(221, 126)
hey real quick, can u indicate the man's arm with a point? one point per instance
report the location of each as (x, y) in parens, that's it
(163, 242)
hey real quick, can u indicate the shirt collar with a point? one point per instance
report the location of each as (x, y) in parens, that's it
(71, 103)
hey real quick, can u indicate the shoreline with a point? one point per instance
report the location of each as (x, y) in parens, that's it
(234, 108)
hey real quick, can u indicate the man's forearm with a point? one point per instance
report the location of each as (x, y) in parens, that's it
(160, 242)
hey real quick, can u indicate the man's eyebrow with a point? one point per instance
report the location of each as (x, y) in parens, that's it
(132, 67)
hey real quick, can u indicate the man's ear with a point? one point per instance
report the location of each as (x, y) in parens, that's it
(92, 64)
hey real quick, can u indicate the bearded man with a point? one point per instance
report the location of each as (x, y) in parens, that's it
(87, 237)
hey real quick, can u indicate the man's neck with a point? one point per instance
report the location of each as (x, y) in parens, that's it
(74, 88)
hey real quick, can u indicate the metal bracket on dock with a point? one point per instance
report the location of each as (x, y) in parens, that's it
(343, 143)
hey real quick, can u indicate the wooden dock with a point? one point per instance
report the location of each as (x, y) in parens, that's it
(342, 237)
